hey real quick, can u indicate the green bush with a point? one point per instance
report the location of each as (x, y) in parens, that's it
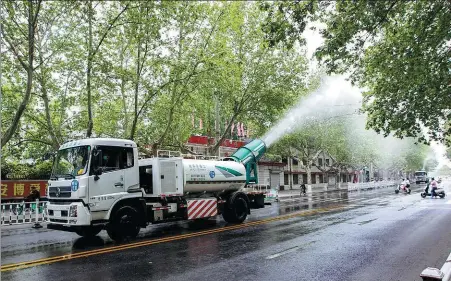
(39, 171)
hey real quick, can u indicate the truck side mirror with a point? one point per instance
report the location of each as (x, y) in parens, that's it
(96, 160)
(97, 172)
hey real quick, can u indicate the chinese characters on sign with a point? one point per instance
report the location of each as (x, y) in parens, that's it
(21, 188)
(196, 170)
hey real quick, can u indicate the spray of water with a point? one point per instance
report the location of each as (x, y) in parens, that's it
(335, 97)
(439, 151)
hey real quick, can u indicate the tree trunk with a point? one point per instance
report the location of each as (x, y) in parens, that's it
(55, 142)
(138, 74)
(214, 150)
(308, 170)
(88, 72)
(32, 22)
(155, 149)
(45, 98)
(124, 99)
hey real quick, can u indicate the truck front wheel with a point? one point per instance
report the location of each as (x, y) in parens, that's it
(89, 231)
(124, 224)
(236, 211)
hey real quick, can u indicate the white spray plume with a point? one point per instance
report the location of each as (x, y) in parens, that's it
(335, 97)
(439, 150)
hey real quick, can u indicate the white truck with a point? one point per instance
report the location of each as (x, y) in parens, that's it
(100, 183)
(421, 176)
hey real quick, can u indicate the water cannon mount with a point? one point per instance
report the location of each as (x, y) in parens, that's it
(249, 155)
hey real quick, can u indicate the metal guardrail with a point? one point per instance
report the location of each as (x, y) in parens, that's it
(369, 185)
(22, 213)
(435, 274)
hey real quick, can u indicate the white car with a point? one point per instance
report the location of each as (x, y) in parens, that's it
(272, 196)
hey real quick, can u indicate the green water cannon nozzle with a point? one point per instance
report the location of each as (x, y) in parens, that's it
(249, 155)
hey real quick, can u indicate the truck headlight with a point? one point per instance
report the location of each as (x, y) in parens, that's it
(73, 211)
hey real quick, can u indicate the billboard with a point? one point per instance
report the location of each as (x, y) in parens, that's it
(18, 189)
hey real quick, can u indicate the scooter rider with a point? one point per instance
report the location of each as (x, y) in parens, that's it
(407, 183)
(433, 188)
(404, 184)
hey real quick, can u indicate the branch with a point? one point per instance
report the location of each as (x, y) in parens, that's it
(108, 29)
(34, 140)
(35, 17)
(13, 49)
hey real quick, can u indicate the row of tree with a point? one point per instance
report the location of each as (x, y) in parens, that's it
(141, 69)
(351, 146)
(138, 70)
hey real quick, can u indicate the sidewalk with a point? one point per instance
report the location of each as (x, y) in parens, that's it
(295, 193)
(283, 194)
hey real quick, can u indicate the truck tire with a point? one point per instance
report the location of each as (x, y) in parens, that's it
(124, 224)
(89, 231)
(260, 200)
(236, 211)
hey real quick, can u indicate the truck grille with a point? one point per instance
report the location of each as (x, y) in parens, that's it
(60, 191)
(63, 213)
(57, 220)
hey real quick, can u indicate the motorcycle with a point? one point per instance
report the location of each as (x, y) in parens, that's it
(402, 187)
(438, 192)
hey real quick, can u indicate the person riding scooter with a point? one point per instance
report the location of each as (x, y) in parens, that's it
(404, 186)
(434, 186)
(437, 192)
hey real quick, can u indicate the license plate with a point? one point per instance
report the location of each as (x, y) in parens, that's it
(57, 214)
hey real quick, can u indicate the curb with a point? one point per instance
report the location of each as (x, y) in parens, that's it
(282, 198)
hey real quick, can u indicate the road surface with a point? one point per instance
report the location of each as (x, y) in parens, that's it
(368, 235)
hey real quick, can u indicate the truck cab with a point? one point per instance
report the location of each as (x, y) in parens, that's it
(421, 176)
(88, 177)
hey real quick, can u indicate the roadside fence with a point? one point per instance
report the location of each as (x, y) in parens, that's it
(24, 212)
(370, 185)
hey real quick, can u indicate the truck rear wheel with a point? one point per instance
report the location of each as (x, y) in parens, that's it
(236, 211)
(260, 201)
(124, 224)
(89, 231)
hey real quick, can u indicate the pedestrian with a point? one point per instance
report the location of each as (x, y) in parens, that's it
(34, 194)
(303, 189)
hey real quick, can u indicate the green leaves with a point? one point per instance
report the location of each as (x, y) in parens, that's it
(397, 50)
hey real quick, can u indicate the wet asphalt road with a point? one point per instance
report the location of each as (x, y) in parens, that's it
(368, 235)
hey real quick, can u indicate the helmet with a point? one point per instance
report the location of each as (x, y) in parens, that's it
(432, 178)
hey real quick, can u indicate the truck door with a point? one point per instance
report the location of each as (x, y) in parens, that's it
(108, 160)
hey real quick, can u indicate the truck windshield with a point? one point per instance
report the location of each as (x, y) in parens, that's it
(71, 162)
(420, 174)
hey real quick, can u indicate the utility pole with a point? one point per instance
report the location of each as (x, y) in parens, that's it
(290, 177)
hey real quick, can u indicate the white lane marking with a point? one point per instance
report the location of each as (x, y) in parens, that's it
(283, 253)
(449, 202)
(290, 250)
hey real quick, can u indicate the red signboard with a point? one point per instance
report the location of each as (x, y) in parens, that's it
(210, 141)
(18, 189)
(233, 143)
(198, 140)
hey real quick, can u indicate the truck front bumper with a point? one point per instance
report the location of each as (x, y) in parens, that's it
(67, 216)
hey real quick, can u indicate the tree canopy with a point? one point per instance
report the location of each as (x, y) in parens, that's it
(398, 51)
(138, 70)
